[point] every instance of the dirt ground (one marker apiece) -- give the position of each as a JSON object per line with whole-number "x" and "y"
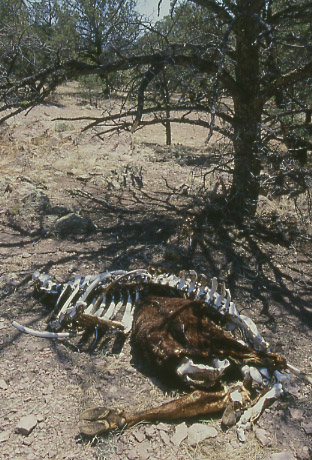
{"x": 49, "y": 168}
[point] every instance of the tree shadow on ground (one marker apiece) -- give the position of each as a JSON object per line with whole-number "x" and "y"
{"x": 259, "y": 262}
{"x": 262, "y": 261}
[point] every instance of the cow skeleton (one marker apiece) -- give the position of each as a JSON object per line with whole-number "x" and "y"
{"x": 109, "y": 300}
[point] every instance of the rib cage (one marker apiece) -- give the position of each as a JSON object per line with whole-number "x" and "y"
{"x": 109, "y": 299}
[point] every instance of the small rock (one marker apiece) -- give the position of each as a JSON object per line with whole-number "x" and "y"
{"x": 73, "y": 224}
{"x": 83, "y": 177}
{"x": 229, "y": 417}
{"x": 198, "y": 432}
{"x": 139, "y": 436}
{"x": 164, "y": 437}
{"x": 132, "y": 454}
{"x": 294, "y": 390}
{"x": 305, "y": 453}
{"x": 163, "y": 426}
{"x": 149, "y": 431}
{"x": 296, "y": 414}
{"x": 307, "y": 427}
{"x": 142, "y": 450}
{"x": 26, "y": 425}
{"x": 27, "y": 442}
{"x": 4, "y": 436}
{"x": 263, "y": 437}
{"x": 180, "y": 434}
{"x": 54, "y": 141}
{"x": 3, "y": 384}
{"x": 282, "y": 456}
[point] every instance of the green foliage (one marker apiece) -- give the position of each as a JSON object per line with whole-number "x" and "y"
{"x": 103, "y": 26}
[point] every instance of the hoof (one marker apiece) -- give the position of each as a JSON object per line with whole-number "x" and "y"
{"x": 94, "y": 413}
{"x": 100, "y": 420}
{"x": 94, "y": 428}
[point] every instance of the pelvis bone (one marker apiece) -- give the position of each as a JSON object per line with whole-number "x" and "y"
{"x": 183, "y": 328}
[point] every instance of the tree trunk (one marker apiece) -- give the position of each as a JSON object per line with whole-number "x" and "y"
{"x": 248, "y": 109}
{"x": 166, "y": 98}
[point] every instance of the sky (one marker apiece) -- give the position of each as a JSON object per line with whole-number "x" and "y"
{"x": 150, "y": 8}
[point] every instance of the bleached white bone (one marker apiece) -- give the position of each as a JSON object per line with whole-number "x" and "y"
{"x": 302, "y": 375}
{"x": 90, "y": 288}
{"x": 228, "y": 300}
{"x": 203, "y": 281}
{"x": 251, "y": 372}
{"x": 162, "y": 279}
{"x": 62, "y": 311}
{"x": 182, "y": 283}
{"x": 118, "y": 306}
{"x": 264, "y": 371}
{"x": 44, "y": 278}
{"x": 209, "y": 374}
{"x": 236, "y": 395}
{"x": 85, "y": 281}
{"x": 251, "y": 414}
{"x": 256, "y": 375}
{"x": 250, "y": 330}
{"x": 128, "y": 315}
{"x": 109, "y": 312}
{"x": 193, "y": 279}
{"x": 44, "y": 334}
{"x": 91, "y": 308}
{"x": 218, "y": 302}
{"x": 283, "y": 379}
{"x": 212, "y": 291}
{"x": 63, "y": 293}
{"x": 232, "y": 311}
{"x": 172, "y": 280}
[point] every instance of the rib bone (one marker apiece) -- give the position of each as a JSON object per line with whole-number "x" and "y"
{"x": 44, "y": 334}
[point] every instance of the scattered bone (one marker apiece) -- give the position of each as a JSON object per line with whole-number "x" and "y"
{"x": 255, "y": 375}
{"x": 251, "y": 414}
{"x": 43, "y": 334}
{"x": 302, "y": 375}
{"x": 283, "y": 379}
{"x": 190, "y": 372}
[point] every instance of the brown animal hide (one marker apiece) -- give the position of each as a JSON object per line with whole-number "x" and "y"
{"x": 167, "y": 330}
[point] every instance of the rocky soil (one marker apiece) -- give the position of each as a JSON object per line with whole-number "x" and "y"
{"x": 53, "y": 181}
